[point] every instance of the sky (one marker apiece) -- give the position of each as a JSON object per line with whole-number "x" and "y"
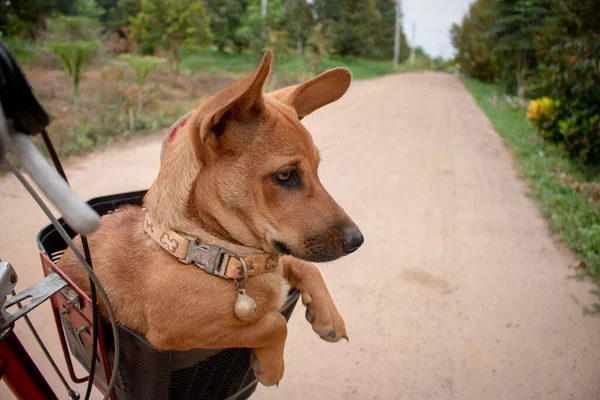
{"x": 433, "y": 20}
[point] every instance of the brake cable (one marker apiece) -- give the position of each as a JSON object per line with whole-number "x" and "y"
{"x": 88, "y": 258}
{"x": 65, "y": 236}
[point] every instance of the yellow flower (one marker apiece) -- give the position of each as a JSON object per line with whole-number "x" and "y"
{"x": 533, "y": 110}
{"x": 543, "y": 107}
{"x": 546, "y": 106}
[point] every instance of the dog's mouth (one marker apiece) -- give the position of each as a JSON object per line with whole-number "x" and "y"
{"x": 281, "y": 248}
{"x": 322, "y": 246}
{"x": 317, "y": 252}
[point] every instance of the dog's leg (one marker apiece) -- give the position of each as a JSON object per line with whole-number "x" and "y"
{"x": 320, "y": 308}
{"x": 267, "y": 353}
{"x": 266, "y": 336}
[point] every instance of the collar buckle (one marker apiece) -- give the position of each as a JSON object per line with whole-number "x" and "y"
{"x": 212, "y": 259}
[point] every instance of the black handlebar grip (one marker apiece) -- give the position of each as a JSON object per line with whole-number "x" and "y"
{"x": 17, "y": 98}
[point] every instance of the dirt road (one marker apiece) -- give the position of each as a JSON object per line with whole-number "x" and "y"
{"x": 459, "y": 292}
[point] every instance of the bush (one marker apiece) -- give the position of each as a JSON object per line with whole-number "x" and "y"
{"x": 70, "y": 27}
{"x": 25, "y": 51}
{"x": 142, "y": 66}
{"x": 568, "y": 48}
{"x": 74, "y": 55}
{"x": 170, "y": 25}
{"x": 579, "y": 129}
{"x": 251, "y": 33}
{"x": 543, "y": 113}
{"x": 572, "y": 123}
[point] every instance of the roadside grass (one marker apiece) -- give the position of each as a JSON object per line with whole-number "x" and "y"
{"x": 292, "y": 67}
{"x": 23, "y": 50}
{"x": 568, "y": 192}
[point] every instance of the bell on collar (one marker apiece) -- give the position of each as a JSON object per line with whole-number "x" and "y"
{"x": 244, "y": 307}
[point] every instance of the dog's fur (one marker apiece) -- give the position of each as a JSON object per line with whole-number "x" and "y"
{"x": 217, "y": 182}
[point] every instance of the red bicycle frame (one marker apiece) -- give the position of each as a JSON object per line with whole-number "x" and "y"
{"x": 20, "y": 373}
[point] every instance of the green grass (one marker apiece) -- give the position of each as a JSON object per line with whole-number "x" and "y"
{"x": 212, "y": 62}
{"x": 574, "y": 216}
{"x": 367, "y": 69}
{"x": 24, "y": 50}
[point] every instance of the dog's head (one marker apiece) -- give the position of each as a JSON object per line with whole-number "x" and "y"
{"x": 257, "y": 183}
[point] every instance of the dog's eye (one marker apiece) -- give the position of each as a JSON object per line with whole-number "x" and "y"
{"x": 284, "y": 176}
{"x": 288, "y": 179}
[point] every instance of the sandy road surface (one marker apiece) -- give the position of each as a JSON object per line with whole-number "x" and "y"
{"x": 459, "y": 291}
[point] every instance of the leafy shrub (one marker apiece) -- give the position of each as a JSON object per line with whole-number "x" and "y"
{"x": 568, "y": 48}
{"x": 64, "y": 28}
{"x": 320, "y": 43}
{"x": 73, "y": 55}
{"x": 25, "y": 51}
{"x": 226, "y": 16}
{"x": 572, "y": 123}
{"x": 171, "y": 25}
{"x": 251, "y": 32}
{"x": 142, "y": 66}
{"x": 579, "y": 127}
{"x": 543, "y": 113}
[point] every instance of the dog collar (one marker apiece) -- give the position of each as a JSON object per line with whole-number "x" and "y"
{"x": 212, "y": 259}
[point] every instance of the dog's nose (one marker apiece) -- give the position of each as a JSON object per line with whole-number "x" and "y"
{"x": 353, "y": 239}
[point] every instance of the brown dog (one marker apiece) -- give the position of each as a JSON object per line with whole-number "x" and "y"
{"x": 241, "y": 175}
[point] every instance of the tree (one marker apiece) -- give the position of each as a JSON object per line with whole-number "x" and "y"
{"x": 474, "y": 46}
{"x": 328, "y": 12}
{"x": 515, "y": 23}
{"x": 171, "y": 25}
{"x": 226, "y": 17}
{"x": 118, "y": 15}
{"x": 354, "y": 33}
{"x": 384, "y": 34}
{"x": 423, "y": 58}
{"x": 363, "y": 28}
{"x": 550, "y": 47}
{"x": 107, "y": 5}
{"x": 437, "y": 63}
{"x": 568, "y": 52}
{"x": 299, "y": 26}
{"x": 275, "y": 36}
{"x": 320, "y": 43}
{"x": 568, "y": 48}
{"x": 26, "y": 18}
{"x": 88, "y": 8}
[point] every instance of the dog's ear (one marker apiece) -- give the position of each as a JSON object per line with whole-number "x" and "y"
{"x": 316, "y": 92}
{"x": 242, "y": 98}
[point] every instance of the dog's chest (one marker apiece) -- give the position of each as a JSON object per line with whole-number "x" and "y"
{"x": 285, "y": 288}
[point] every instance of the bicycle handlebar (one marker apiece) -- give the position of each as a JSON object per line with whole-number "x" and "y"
{"x": 78, "y": 214}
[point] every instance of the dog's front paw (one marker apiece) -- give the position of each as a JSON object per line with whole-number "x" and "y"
{"x": 324, "y": 317}
{"x": 267, "y": 376}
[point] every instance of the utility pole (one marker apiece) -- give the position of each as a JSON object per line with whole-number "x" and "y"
{"x": 263, "y": 15}
{"x": 397, "y": 34}
{"x": 414, "y": 43}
